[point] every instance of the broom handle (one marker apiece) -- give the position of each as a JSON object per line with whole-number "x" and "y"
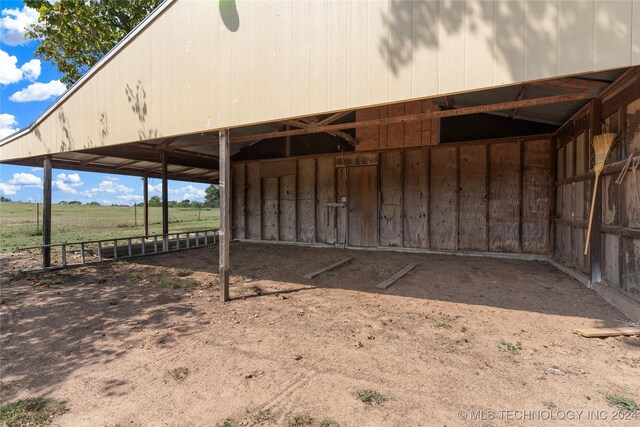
{"x": 593, "y": 205}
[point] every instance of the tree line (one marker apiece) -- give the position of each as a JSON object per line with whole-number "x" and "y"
{"x": 211, "y": 200}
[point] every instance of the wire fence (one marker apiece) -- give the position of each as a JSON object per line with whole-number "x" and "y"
{"x": 21, "y": 223}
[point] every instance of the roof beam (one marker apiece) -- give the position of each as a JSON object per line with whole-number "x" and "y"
{"x": 310, "y": 122}
{"x": 334, "y": 117}
{"x": 61, "y": 163}
{"x": 126, "y": 164}
{"x": 177, "y": 146}
{"x": 500, "y": 106}
{"x": 91, "y": 160}
{"x": 572, "y": 83}
{"x": 150, "y": 154}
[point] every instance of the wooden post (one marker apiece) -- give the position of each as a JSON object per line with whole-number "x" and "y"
{"x": 225, "y": 217}
{"x": 165, "y": 203}
{"x": 596, "y": 233}
{"x": 287, "y": 144}
{"x": 145, "y": 196}
{"x": 46, "y": 213}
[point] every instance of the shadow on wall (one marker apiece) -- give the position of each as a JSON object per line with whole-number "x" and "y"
{"x": 67, "y": 143}
{"x": 229, "y": 14}
{"x": 138, "y": 100}
{"x": 413, "y": 26}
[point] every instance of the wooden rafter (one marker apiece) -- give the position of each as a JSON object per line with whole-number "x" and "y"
{"x": 520, "y": 97}
{"x": 127, "y": 164}
{"x": 177, "y": 146}
{"x": 334, "y": 117}
{"x": 154, "y": 172}
{"x": 572, "y": 83}
{"x": 312, "y": 122}
{"x": 91, "y": 160}
{"x": 450, "y": 102}
{"x": 500, "y": 106}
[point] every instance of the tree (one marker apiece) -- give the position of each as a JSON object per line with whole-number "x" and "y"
{"x": 212, "y": 196}
{"x": 75, "y": 34}
{"x": 155, "y": 201}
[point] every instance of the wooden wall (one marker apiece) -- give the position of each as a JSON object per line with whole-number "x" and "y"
{"x": 480, "y": 196}
{"x": 616, "y": 256}
{"x": 398, "y": 135}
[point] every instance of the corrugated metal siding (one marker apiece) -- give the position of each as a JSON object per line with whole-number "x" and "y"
{"x": 186, "y": 72}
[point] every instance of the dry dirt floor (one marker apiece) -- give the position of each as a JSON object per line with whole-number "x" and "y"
{"x": 147, "y": 342}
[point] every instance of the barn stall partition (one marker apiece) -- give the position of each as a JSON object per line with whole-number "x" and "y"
{"x": 613, "y": 263}
{"x": 480, "y": 196}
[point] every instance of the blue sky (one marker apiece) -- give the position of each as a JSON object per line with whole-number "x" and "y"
{"x": 28, "y": 85}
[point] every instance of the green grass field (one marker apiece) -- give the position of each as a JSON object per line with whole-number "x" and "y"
{"x": 73, "y": 223}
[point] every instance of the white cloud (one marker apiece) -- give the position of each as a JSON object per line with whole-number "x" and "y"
{"x": 67, "y": 183}
{"x": 39, "y": 91}
{"x": 7, "y": 124}
{"x": 9, "y": 71}
{"x": 14, "y": 23}
{"x": 155, "y": 188}
{"x": 26, "y": 180}
{"x": 18, "y": 181}
{"x": 130, "y": 198}
{"x": 188, "y": 192}
{"x": 8, "y": 189}
{"x": 107, "y": 186}
{"x": 31, "y": 70}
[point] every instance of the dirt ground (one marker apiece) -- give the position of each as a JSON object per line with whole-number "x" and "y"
{"x": 148, "y": 342}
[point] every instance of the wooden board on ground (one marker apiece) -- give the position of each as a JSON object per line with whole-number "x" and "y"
{"x": 608, "y": 332}
{"x": 327, "y": 268}
{"x": 397, "y": 276}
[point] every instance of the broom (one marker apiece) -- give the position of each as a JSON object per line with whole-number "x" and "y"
{"x": 601, "y": 146}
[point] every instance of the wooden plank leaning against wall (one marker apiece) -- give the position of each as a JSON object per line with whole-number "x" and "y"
{"x": 477, "y": 196}
{"x": 617, "y": 246}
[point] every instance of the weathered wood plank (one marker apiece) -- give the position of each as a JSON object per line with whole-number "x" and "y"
{"x": 238, "y": 197}
{"x": 287, "y": 208}
{"x": 254, "y": 201}
{"x": 626, "y": 331}
{"x": 413, "y": 130}
{"x": 278, "y": 168}
{"x": 610, "y": 208}
{"x": 342, "y": 216}
{"x": 327, "y": 268}
{"x": 611, "y": 259}
{"x": 416, "y": 198}
{"x": 397, "y": 276}
{"x": 306, "y": 200}
{"x": 326, "y": 193}
{"x": 473, "y": 199}
{"x": 368, "y": 137}
{"x": 443, "y": 199}
{"x": 391, "y": 199}
{"x": 504, "y": 206}
{"x": 536, "y": 196}
{"x": 270, "y": 209}
{"x": 395, "y": 132}
{"x": 362, "y": 206}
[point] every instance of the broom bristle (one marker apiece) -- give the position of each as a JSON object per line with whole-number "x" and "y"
{"x": 602, "y": 143}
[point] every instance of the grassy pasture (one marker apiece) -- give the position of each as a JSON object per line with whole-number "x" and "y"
{"x": 72, "y": 223}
